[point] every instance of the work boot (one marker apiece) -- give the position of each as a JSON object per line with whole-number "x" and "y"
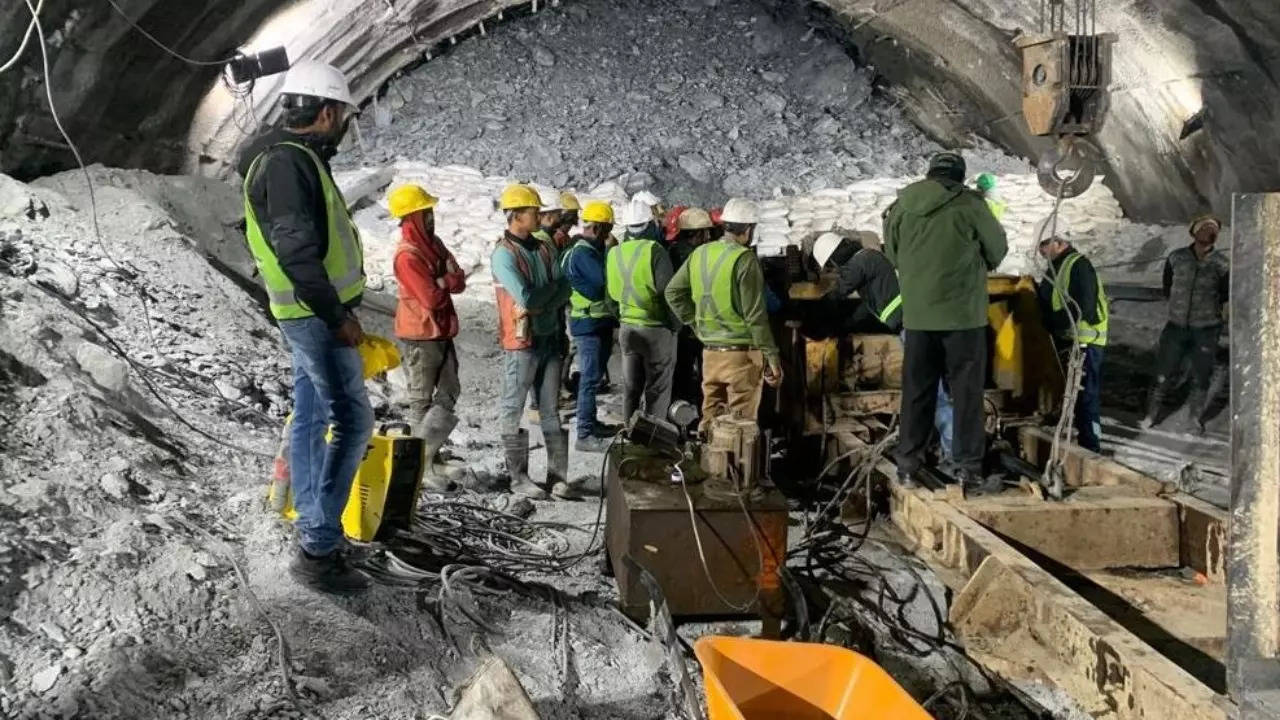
{"x": 558, "y": 466}
{"x": 606, "y": 430}
{"x": 593, "y": 443}
{"x": 327, "y": 573}
{"x": 436, "y": 426}
{"x": 517, "y": 448}
{"x": 908, "y": 480}
{"x": 1195, "y": 411}
{"x": 975, "y": 484}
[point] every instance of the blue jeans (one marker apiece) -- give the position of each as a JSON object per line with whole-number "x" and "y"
{"x": 1088, "y": 419}
{"x": 594, "y": 350}
{"x": 328, "y": 392}
{"x": 538, "y": 369}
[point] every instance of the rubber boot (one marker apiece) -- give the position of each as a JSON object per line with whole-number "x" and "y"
{"x": 1155, "y": 401}
{"x": 517, "y": 448}
{"x": 436, "y": 426}
{"x": 558, "y": 466}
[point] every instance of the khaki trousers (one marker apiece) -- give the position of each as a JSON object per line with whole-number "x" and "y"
{"x": 732, "y": 382}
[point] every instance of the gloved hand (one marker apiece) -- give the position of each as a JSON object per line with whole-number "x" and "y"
{"x": 349, "y": 333}
{"x": 773, "y": 371}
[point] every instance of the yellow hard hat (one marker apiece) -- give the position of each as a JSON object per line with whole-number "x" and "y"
{"x": 694, "y": 219}
{"x": 378, "y": 355}
{"x": 598, "y": 212}
{"x": 569, "y": 201}
{"x": 408, "y": 199}
{"x": 519, "y": 196}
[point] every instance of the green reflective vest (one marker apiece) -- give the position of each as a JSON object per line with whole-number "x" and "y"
{"x": 343, "y": 262}
{"x": 711, "y": 279}
{"x": 630, "y": 280}
{"x": 1086, "y": 333}
{"x": 580, "y": 306}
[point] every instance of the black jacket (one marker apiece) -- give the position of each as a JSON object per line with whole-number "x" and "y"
{"x": 1197, "y": 289}
{"x": 1083, "y": 289}
{"x": 870, "y": 274}
{"x": 288, "y": 201}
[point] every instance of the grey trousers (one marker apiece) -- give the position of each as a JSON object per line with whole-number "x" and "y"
{"x": 523, "y": 370}
{"x": 648, "y": 363}
{"x": 431, "y": 372}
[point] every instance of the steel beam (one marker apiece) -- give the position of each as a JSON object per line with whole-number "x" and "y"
{"x": 1253, "y": 554}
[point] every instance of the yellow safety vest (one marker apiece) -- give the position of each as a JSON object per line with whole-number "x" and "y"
{"x": 716, "y": 321}
{"x": 343, "y": 262}
{"x": 1086, "y": 333}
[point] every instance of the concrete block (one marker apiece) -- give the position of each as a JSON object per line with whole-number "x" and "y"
{"x": 1093, "y": 529}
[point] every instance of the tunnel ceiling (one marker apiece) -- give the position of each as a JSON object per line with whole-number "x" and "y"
{"x": 128, "y": 104}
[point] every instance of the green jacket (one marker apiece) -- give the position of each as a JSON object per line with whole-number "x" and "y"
{"x": 943, "y": 239}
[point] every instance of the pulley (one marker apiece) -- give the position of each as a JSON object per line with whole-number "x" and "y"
{"x": 1068, "y": 168}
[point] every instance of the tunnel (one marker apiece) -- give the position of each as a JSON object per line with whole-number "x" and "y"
{"x": 1189, "y": 120}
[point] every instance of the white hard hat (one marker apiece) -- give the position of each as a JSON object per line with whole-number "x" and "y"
{"x": 740, "y": 211}
{"x": 825, "y": 247}
{"x": 317, "y": 79}
{"x": 1045, "y": 227}
{"x": 646, "y": 197}
{"x": 636, "y": 213}
{"x": 550, "y": 198}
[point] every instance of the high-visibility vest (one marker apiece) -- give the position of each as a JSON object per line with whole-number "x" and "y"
{"x": 343, "y": 262}
{"x": 711, "y": 278}
{"x": 580, "y": 306}
{"x": 514, "y": 331}
{"x": 630, "y": 281}
{"x": 1086, "y": 333}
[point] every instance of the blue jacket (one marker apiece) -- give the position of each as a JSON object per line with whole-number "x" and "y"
{"x": 586, "y": 274}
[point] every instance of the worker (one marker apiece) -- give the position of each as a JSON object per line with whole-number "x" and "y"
{"x": 719, "y": 291}
{"x": 549, "y": 231}
{"x": 693, "y": 229}
{"x": 309, "y": 255}
{"x": 1196, "y": 284}
{"x": 570, "y": 209}
{"x": 592, "y": 319}
{"x": 639, "y": 269}
{"x": 862, "y": 267}
{"x": 943, "y": 240}
{"x": 531, "y": 292}
{"x": 426, "y": 323}
{"x": 1074, "y": 305}
{"x": 654, "y": 203}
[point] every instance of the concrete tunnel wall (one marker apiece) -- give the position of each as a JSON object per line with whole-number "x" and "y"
{"x": 951, "y": 62}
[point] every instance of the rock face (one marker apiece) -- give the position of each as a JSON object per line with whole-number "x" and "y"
{"x": 127, "y": 103}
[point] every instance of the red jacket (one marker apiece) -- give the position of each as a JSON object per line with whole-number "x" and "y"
{"x": 425, "y": 310}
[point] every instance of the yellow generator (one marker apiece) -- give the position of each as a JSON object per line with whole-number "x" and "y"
{"x": 384, "y": 492}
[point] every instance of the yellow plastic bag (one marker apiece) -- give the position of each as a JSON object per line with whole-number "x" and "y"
{"x": 379, "y": 355}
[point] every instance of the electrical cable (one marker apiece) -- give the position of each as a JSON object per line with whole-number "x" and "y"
{"x": 162, "y": 46}
{"x": 26, "y": 38}
{"x": 702, "y": 555}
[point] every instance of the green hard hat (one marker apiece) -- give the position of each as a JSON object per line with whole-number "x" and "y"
{"x": 986, "y": 181}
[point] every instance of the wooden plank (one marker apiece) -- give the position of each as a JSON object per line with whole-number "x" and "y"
{"x": 1094, "y": 528}
{"x": 1203, "y": 537}
{"x": 1024, "y": 622}
{"x": 1083, "y": 467}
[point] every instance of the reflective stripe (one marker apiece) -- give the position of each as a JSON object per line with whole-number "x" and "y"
{"x": 716, "y": 322}
{"x": 631, "y": 283}
{"x": 344, "y": 258}
{"x": 1085, "y": 333}
{"x": 888, "y": 310}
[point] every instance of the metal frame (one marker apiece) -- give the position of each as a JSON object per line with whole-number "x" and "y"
{"x": 1253, "y": 557}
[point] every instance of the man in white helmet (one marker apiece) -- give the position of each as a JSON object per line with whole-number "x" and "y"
{"x": 720, "y": 292}
{"x": 309, "y": 255}
{"x": 637, "y": 273}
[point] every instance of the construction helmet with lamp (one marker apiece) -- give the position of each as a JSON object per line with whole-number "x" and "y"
{"x": 824, "y": 247}
{"x": 569, "y": 201}
{"x": 311, "y": 78}
{"x": 408, "y": 199}
{"x": 694, "y": 219}
{"x": 517, "y": 196}
{"x": 740, "y": 211}
{"x": 637, "y": 213}
{"x": 597, "y": 212}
